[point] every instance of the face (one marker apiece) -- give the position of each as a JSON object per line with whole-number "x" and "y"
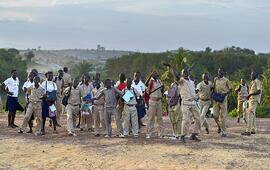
{"x": 31, "y": 76}
{"x": 86, "y": 79}
{"x": 36, "y": 80}
{"x": 129, "y": 82}
{"x": 137, "y": 76}
{"x": 14, "y": 74}
{"x": 108, "y": 83}
{"x": 185, "y": 73}
{"x": 155, "y": 75}
{"x": 220, "y": 72}
{"x": 206, "y": 77}
{"x": 50, "y": 76}
{"x": 75, "y": 83}
{"x": 60, "y": 74}
{"x": 243, "y": 81}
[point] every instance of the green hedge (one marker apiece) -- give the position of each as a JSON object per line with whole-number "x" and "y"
{"x": 261, "y": 112}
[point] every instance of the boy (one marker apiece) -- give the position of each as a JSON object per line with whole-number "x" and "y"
{"x": 86, "y": 112}
{"x": 242, "y": 92}
{"x": 73, "y": 106}
{"x": 110, "y": 94}
{"x": 98, "y": 109}
{"x": 35, "y": 94}
{"x": 59, "y": 81}
{"x": 131, "y": 110}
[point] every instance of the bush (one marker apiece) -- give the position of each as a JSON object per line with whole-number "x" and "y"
{"x": 233, "y": 113}
{"x": 263, "y": 112}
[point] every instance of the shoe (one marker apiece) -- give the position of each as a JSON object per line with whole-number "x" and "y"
{"x": 194, "y": 137}
{"x": 246, "y": 133}
{"x": 253, "y": 132}
{"x": 223, "y": 135}
{"x": 91, "y": 129}
{"x": 74, "y": 134}
{"x": 173, "y": 138}
{"x": 20, "y": 131}
{"x": 136, "y": 136}
{"x": 81, "y": 129}
{"x": 15, "y": 126}
{"x": 182, "y": 139}
{"x": 107, "y": 136}
{"x": 78, "y": 126}
{"x": 219, "y": 130}
{"x": 148, "y": 136}
{"x": 97, "y": 135}
{"x": 121, "y": 135}
{"x": 10, "y": 126}
{"x": 38, "y": 134}
{"x": 238, "y": 120}
{"x": 30, "y": 131}
{"x": 207, "y": 130}
{"x": 42, "y": 133}
{"x": 162, "y": 136}
{"x": 70, "y": 134}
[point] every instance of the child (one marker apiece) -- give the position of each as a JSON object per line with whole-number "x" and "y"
{"x": 110, "y": 94}
{"x": 86, "y": 112}
{"x": 73, "y": 107}
{"x": 35, "y": 94}
{"x": 131, "y": 110}
{"x": 48, "y": 102}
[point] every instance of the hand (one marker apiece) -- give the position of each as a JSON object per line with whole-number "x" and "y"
{"x": 10, "y": 93}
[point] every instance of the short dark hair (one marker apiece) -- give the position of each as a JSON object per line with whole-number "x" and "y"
{"x": 65, "y": 69}
{"x": 12, "y": 71}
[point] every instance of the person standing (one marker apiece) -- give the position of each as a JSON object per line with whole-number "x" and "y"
{"x": 74, "y": 100}
{"x": 11, "y": 87}
{"x": 254, "y": 98}
{"x": 35, "y": 94}
{"x": 130, "y": 110}
{"x": 98, "y": 109}
{"x": 242, "y": 92}
{"x": 59, "y": 81}
{"x": 155, "y": 91}
{"x": 25, "y": 88}
{"x": 222, "y": 87}
{"x": 204, "y": 92}
{"x": 140, "y": 87}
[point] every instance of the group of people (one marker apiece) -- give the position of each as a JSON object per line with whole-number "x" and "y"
{"x": 91, "y": 104}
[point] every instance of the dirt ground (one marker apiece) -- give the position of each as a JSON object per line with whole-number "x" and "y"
{"x": 59, "y": 151}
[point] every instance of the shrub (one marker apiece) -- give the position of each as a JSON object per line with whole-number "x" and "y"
{"x": 263, "y": 112}
{"x": 233, "y": 113}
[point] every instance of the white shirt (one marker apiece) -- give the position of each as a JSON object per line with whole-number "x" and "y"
{"x": 51, "y": 86}
{"x": 27, "y": 84}
{"x": 13, "y": 86}
{"x": 187, "y": 89}
{"x": 140, "y": 87}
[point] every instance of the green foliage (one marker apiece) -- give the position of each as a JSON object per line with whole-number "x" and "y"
{"x": 233, "y": 113}
{"x": 263, "y": 111}
{"x": 82, "y": 68}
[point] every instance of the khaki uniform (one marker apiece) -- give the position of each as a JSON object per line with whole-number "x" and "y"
{"x": 99, "y": 111}
{"x": 221, "y": 85}
{"x": 242, "y": 97}
{"x": 34, "y": 107}
{"x": 73, "y": 107}
{"x": 204, "y": 94}
{"x": 87, "y": 120}
{"x": 67, "y": 82}
{"x": 131, "y": 114}
{"x": 155, "y": 109}
{"x": 189, "y": 107}
{"x": 60, "y": 84}
{"x": 175, "y": 115}
{"x": 255, "y": 85}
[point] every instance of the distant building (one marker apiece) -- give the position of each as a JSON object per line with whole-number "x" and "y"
{"x": 100, "y": 48}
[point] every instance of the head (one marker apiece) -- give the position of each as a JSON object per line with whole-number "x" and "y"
{"x": 97, "y": 84}
{"x": 205, "y": 77}
{"x": 31, "y": 76}
{"x": 87, "y": 79}
{"x": 65, "y": 69}
{"x": 14, "y": 74}
{"x": 242, "y": 81}
{"x": 36, "y": 80}
{"x": 129, "y": 82}
{"x": 60, "y": 74}
{"x": 108, "y": 83}
{"x": 137, "y": 76}
{"x": 34, "y": 71}
{"x": 49, "y": 75}
{"x": 75, "y": 82}
{"x": 220, "y": 72}
{"x": 253, "y": 75}
{"x": 122, "y": 77}
{"x": 155, "y": 74}
{"x": 185, "y": 73}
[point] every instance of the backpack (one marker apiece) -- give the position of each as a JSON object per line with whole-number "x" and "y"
{"x": 51, "y": 96}
{"x": 173, "y": 96}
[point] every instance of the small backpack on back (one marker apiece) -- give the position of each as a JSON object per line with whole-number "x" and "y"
{"x": 173, "y": 95}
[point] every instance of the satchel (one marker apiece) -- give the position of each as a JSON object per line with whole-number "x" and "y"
{"x": 218, "y": 97}
{"x": 51, "y": 96}
{"x": 65, "y": 98}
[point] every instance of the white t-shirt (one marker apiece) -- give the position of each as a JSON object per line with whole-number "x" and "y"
{"x": 13, "y": 86}
{"x": 51, "y": 86}
{"x": 140, "y": 87}
{"x": 27, "y": 84}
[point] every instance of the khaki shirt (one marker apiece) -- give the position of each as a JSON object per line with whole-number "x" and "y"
{"x": 255, "y": 85}
{"x": 34, "y": 94}
{"x": 204, "y": 90}
{"x": 67, "y": 80}
{"x": 243, "y": 93}
{"x": 157, "y": 94}
{"x": 96, "y": 92}
{"x": 74, "y": 96}
{"x": 187, "y": 90}
{"x": 59, "y": 83}
{"x": 110, "y": 96}
{"x": 222, "y": 85}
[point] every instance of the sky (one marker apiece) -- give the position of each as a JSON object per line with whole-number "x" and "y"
{"x": 138, "y": 25}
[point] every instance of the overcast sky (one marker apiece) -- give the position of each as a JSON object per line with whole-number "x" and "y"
{"x": 143, "y": 25}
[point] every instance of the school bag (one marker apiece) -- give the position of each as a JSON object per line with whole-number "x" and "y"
{"x": 65, "y": 98}
{"x": 217, "y": 96}
{"x": 51, "y": 96}
{"x": 173, "y": 96}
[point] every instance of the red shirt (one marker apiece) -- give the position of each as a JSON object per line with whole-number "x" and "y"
{"x": 121, "y": 86}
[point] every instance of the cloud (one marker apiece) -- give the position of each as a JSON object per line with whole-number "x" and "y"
{"x": 9, "y": 16}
